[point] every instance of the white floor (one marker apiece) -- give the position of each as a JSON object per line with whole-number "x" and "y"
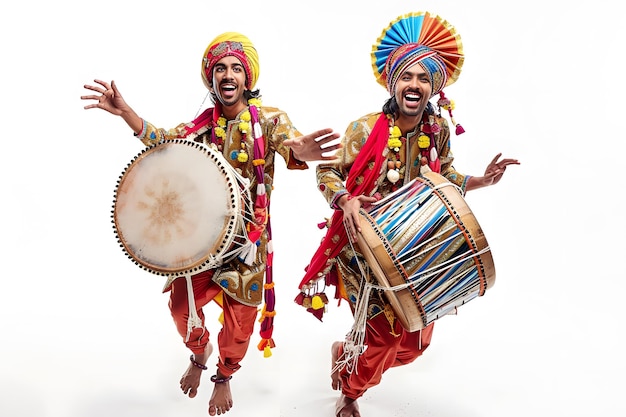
{"x": 86, "y": 333}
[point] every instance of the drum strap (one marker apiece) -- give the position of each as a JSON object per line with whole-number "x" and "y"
{"x": 354, "y": 344}
{"x": 194, "y": 320}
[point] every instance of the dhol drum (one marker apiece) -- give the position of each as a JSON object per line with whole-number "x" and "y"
{"x": 180, "y": 208}
{"x": 426, "y": 249}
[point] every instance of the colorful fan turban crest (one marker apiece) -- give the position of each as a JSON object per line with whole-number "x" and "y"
{"x": 424, "y": 29}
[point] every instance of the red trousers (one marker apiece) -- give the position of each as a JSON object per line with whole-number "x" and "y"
{"x": 384, "y": 351}
{"x": 234, "y": 337}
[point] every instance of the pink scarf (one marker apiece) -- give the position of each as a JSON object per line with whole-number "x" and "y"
{"x": 261, "y": 212}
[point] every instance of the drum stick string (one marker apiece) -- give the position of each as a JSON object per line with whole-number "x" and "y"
{"x": 202, "y": 104}
{"x": 194, "y": 320}
{"x": 354, "y": 344}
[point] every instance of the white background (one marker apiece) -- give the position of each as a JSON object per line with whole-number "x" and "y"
{"x": 86, "y": 333}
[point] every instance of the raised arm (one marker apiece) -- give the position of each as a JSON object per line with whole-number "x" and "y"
{"x": 110, "y": 99}
{"x": 493, "y": 173}
{"x": 316, "y": 146}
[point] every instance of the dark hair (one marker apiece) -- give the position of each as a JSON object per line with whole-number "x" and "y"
{"x": 391, "y": 106}
{"x": 248, "y": 94}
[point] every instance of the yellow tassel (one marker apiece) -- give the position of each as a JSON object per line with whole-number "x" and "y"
{"x": 221, "y": 318}
{"x": 317, "y": 303}
{"x": 266, "y": 346}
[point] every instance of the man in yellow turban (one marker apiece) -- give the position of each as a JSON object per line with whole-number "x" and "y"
{"x": 249, "y": 136}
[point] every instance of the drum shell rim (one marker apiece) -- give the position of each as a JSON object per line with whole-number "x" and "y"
{"x": 226, "y": 238}
{"x": 372, "y": 242}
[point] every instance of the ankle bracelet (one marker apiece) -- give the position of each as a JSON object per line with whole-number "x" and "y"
{"x": 217, "y": 380}
{"x": 197, "y": 364}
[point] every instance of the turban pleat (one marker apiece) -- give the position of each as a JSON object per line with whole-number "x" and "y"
{"x": 231, "y": 44}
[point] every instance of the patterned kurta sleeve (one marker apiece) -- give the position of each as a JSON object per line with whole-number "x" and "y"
{"x": 331, "y": 177}
{"x": 151, "y": 135}
{"x": 277, "y": 127}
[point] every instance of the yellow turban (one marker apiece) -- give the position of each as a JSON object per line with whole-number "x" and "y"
{"x": 231, "y": 44}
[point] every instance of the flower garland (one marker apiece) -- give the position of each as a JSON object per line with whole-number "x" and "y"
{"x": 394, "y": 143}
{"x": 427, "y": 144}
{"x": 425, "y": 141}
{"x": 244, "y": 127}
{"x": 249, "y": 124}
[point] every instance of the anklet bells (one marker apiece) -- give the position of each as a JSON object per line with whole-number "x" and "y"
{"x": 217, "y": 380}
{"x": 197, "y": 364}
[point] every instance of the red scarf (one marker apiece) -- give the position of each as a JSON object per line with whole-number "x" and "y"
{"x": 371, "y": 153}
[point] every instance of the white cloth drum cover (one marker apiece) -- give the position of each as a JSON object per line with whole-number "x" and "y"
{"x": 180, "y": 208}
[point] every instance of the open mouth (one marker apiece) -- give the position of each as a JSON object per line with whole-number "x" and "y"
{"x": 412, "y": 97}
{"x": 228, "y": 90}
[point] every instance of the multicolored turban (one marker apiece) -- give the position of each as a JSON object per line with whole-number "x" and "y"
{"x": 418, "y": 38}
{"x": 231, "y": 44}
{"x": 406, "y": 56}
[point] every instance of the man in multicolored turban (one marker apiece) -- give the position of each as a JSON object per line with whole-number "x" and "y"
{"x": 414, "y": 59}
{"x": 249, "y": 136}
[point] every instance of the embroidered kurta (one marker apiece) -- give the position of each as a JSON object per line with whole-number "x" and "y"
{"x": 239, "y": 280}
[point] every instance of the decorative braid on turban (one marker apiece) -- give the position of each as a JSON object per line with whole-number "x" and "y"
{"x": 231, "y": 44}
{"x": 410, "y": 54}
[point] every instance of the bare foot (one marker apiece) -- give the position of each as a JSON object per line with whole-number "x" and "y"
{"x": 190, "y": 380}
{"x": 346, "y": 407}
{"x": 221, "y": 400}
{"x": 334, "y": 376}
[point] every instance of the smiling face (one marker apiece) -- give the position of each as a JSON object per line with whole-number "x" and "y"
{"x": 229, "y": 83}
{"x": 412, "y": 92}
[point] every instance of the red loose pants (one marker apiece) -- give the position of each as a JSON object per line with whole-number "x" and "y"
{"x": 384, "y": 351}
{"x": 234, "y": 337}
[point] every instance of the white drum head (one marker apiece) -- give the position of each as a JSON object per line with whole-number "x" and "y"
{"x": 177, "y": 208}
